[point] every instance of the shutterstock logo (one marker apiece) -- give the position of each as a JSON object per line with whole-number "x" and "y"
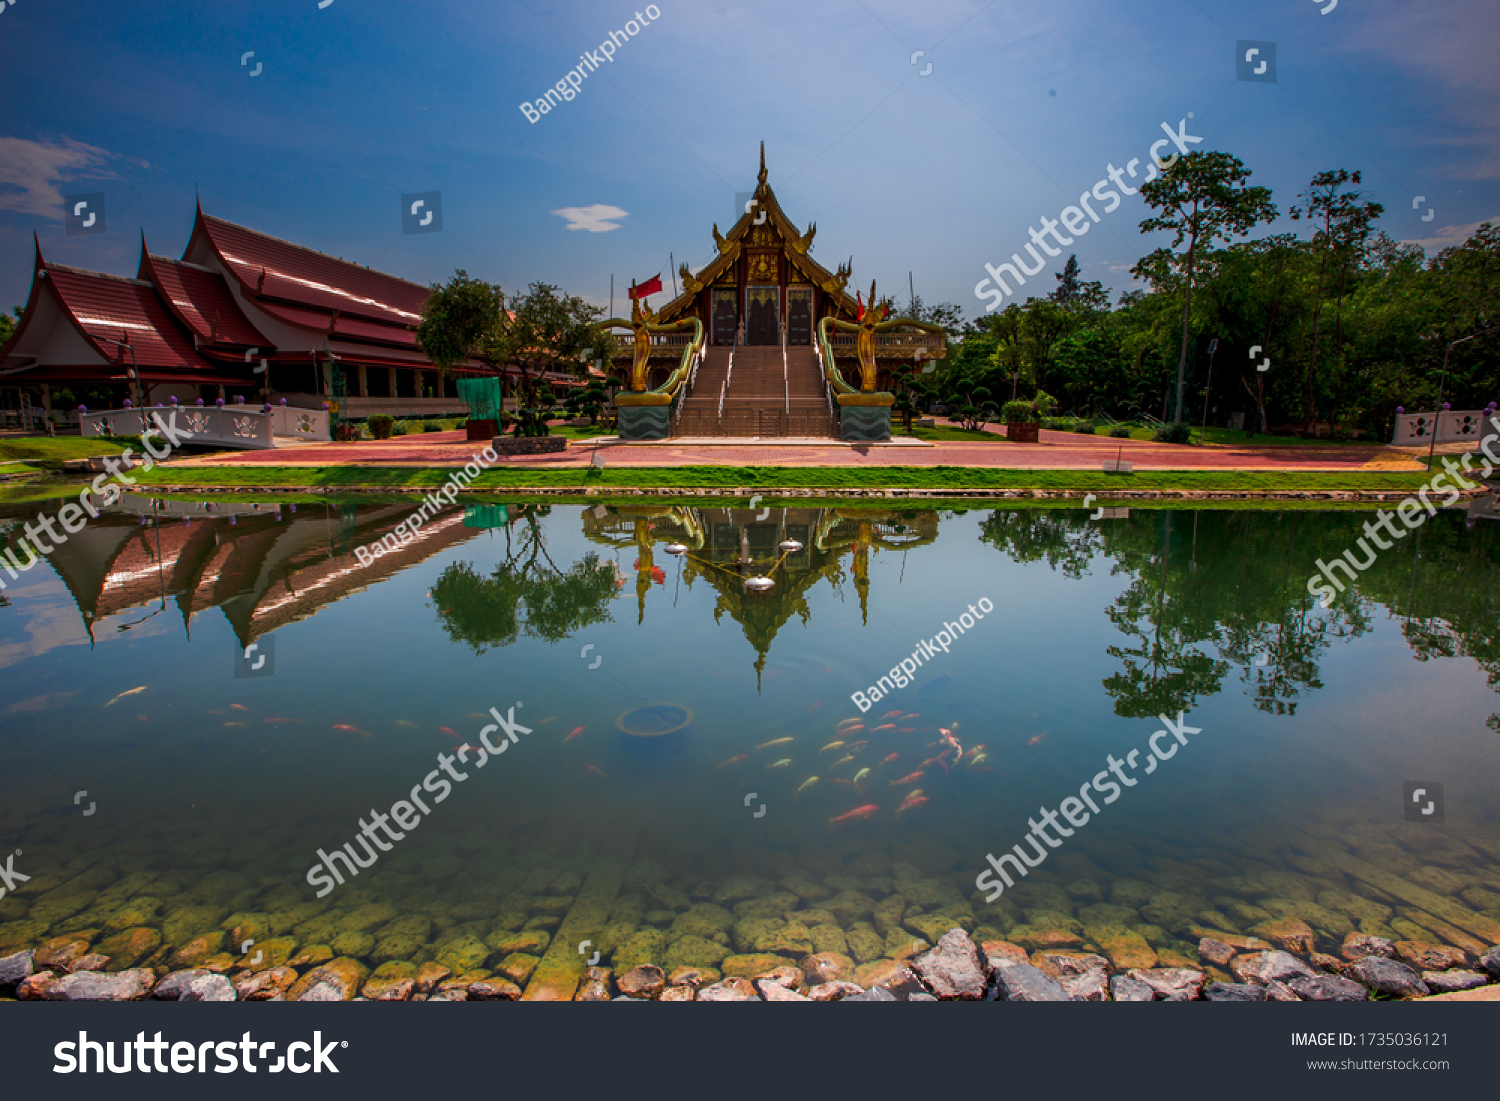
{"x": 1255, "y": 61}
{"x": 422, "y": 212}
{"x": 83, "y": 213}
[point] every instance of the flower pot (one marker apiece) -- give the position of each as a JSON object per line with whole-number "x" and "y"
{"x": 1023, "y": 433}
{"x": 481, "y": 430}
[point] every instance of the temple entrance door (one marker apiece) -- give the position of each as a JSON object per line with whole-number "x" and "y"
{"x": 762, "y": 315}
{"x": 726, "y": 315}
{"x": 799, "y": 315}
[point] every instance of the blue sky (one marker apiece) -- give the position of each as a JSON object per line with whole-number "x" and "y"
{"x": 1026, "y": 103}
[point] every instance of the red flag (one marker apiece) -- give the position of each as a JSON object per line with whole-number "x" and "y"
{"x": 860, "y": 316}
{"x": 887, "y": 312}
{"x": 650, "y": 286}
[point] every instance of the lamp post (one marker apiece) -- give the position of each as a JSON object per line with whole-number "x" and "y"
{"x": 1443, "y": 381}
{"x": 1213, "y": 346}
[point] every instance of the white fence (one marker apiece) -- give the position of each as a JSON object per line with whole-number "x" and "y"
{"x": 1453, "y": 426}
{"x": 240, "y": 426}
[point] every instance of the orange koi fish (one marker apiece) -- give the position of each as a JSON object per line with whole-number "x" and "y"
{"x": 233, "y": 706}
{"x": 891, "y": 714}
{"x": 1038, "y": 738}
{"x": 597, "y": 771}
{"x": 912, "y": 802}
{"x": 851, "y": 729}
{"x": 350, "y": 729}
{"x": 448, "y": 731}
{"x": 733, "y": 760}
{"x": 891, "y": 758}
{"x": 912, "y": 779}
{"x": 577, "y": 730}
{"x": 909, "y": 718}
{"x": 887, "y": 726}
{"x": 856, "y": 814}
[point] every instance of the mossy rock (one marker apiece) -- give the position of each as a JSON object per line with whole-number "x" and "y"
{"x": 739, "y": 887}
{"x": 1131, "y": 893}
{"x": 312, "y": 955}
{"x": 615, "y": 934}
{"x": 186, "y": 922}
{"x": 1108, "y": 913}
{"x": 1053, "y": 919}
{"x": 140, "y": 911}
{"x": 543, "y": 923}
{"x": 933, "y": 894}
{"x": 1155, "y": 935}
{"x": 199, "y": 948}
{"x": 750, "y": 931}
{"x": 22, "y": 932}
{"x": 517, "y": 967}
{"x": 900, "y": 944}
{"x": 791, "y": 939}
{"x": 629, "y": 909}
{"x": 750, "y": 965}
{"x": 660, "y": 918}
{"x": 128, "y": 947}
{"x": 319, "y": 930}
{"x": 367, "y": 917}
{"x": 849, "y": 907}
{"x": 828, "y": 938}
{"x": 643, "y": 946}
{"x": 805, "y": 888}
{"x": 1242, "y": 913}
{"x": 812, "y": 917}
{"x": 864, "y": 943}
{"x": 533, "y": 941}
{"x": 931, "y": 927}
{"x": 704, "y": 920}
{"x": 889, "y": 912}
{"x": 463, "y": 954}
{"x": 353, "y": 943}
{"x": 1173, "y": 910}
{"x": 692, "y": 951}
{"x": 669, "y": 898}
{"x": 552, "y": 906}
{"x": 272, "y": 952}
{"x": 1355, "y": 907}
{"x": 776, "y": 904}
{"x": 1330, "y": 923}
{"x": 1126, "y": 950}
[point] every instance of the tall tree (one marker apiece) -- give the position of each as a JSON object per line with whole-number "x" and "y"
{"x": 1343, "y": 227}
{"x": 1203, "y": 199}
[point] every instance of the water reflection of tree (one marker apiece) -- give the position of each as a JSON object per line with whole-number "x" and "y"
{"x": 526, "y": 594}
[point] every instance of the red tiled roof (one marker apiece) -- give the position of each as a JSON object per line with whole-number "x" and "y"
{"x": 109, "y": 309}
{"x": 202, "y": 301}
{"x": 309, "y": 278}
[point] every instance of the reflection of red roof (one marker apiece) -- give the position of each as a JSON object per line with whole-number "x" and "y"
{"x": 269, "y": 267}
{"x": 110, "y": 310}
{"x": 202, "y": 301}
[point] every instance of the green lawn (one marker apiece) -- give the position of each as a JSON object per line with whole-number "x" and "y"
{"x": 41, "y": 453}
{"x": 751, "y": 477}
{"x": 949, "y": 433}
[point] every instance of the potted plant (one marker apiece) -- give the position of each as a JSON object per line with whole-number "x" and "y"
{"x": 1022, "y": 421}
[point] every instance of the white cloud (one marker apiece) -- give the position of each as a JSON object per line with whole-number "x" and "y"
{"x": 596, "y": 219}
{"x": 1448, "y": 236}
{"x": 38, "y": 168}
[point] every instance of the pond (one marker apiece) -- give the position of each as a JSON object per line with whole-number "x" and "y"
{"x": 205, "y": 703}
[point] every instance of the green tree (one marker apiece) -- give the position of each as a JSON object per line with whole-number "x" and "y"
{"x": 1203, "y": 199}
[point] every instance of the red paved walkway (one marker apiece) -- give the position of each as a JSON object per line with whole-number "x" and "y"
{"x": 1055, "y": 451}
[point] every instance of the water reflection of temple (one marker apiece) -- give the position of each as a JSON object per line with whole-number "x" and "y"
{"x": 728, "y": 546}
{"x": 262, "y": 565}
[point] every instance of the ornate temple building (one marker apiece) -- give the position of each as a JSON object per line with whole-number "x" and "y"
{"x": 761, "y": 323}
{"x": 242, "y": 313}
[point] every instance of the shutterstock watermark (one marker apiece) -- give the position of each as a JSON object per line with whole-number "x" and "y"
{"x": 73, "y": 516}
{"x": 432, "y": 504}
{"x": 404, "y": 812}
{"x": 1072, "y": 808}
{"x": 1413, "y": 513}
{"x": 190, "y": 1057}
{"x": 901, "y": 675}
{"x": 1073, "y": 220}
{"x": 572, "y": 81}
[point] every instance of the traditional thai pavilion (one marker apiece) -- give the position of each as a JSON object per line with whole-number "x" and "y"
{"x": 243, "y": 314}
{"x": 764, "y": 340}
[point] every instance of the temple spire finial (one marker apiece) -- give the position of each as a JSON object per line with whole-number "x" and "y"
{"x": 762, "y": 176}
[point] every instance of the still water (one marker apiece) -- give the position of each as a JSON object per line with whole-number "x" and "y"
{"x": 198, "y": 701}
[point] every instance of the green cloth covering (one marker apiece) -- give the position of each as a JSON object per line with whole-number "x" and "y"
{"x": 482, "y": 396}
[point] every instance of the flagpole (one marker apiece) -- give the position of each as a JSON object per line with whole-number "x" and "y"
{"x": 672, "y": 267}
{"x": 611, "y": 295}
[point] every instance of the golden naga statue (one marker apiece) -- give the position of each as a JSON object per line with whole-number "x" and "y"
{"x": 800, "y": 245}
{"x": 643, "y": 322}
{"x": 872, "y": 322}
{"x": 689, "y": 284}
{"x": 724, "y": 245}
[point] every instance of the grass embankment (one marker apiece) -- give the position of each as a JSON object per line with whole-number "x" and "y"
{"x": 22, "y": 453}
{"x": 937, "y": 478}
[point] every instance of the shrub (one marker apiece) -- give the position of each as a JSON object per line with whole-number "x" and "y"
{"x": 1120, "y": 432}
{"x": 433, "y": 426}
{"x": 1019, "y": 412}
{"x": 1173, "y": 433}
{"x": 400, "y": 428}
{"x": 1085, "y": 428}
{"x": 380, "y": 425}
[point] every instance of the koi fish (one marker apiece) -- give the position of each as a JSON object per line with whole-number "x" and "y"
{"x": 891, "y": 714}
{"x": 448, "y": 731}
{"x": 1038, "y": 738}
{"x": 841, "y": 761}
{"x": 977, "y": 759}
{"x": 576, "y": 731}
{"x": 909, "y": 718}
{"x": 861, "y": 774}
{"x": 127, "y": 692}
{"x": 350, "y": 729}
{"x": 856, "y": 814}
{"x": 912, "y": 779}
{"x": 855, "y": 747}
{"x": 809, "y": 782}
{"x": 232, "y": 707}
{"x": 212, "y": 712}
{"x": 891, "y": 758}
{"x": 912, "y": 802}
{"x": 733, "y": 760}
{"x": 779, "y": 764}
{"x": 236, "y": 724}
{"x": 816, "y": 704}
{"x": 846, "y": 722}
{"x": 775, "y": 742}
{"x": 597, "y": 771}
{"x": 539, "y": 722}
{"x": 407, "y": 722}
{"x": 887, "y": 726}
{"x": 830, "y": 745}
{"x": 852, "y": 729}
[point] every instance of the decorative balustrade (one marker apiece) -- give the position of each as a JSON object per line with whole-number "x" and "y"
{"x": 243, "y": 426}
{"x": 896, "y": 345}
{"x": 661, "y": 343}
{"x": 1450, "y": 426}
